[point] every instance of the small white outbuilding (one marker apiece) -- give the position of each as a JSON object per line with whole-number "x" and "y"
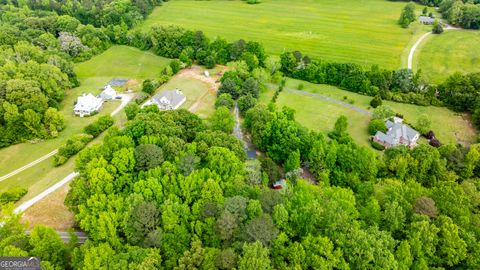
{"x": 108, "y": 93}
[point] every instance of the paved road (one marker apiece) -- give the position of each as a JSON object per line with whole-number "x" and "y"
{"x": 412, "y": 50}
{"x": 305, "y": 93}
{"x": 65, "y": 236}
{"x": 125, "y": 99}
{"x": 24, "y": 206}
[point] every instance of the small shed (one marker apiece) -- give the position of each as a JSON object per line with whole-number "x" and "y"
{"x": 206, "y": 73}
{"x": 108, "y": 93}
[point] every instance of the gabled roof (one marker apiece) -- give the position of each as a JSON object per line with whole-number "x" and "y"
{"x": 87, "y": 102}
{"x": 173, "y": 98}
{"x": 397, "y": 132}
{"x": 108, "y": 92}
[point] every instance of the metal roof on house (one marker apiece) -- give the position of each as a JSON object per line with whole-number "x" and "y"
{"x": 396, "y": 131}
{"x": 426, "y": 19}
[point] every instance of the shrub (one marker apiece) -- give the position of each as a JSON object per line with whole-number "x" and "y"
{"x": 301, "y": 86}
{"x": 140, "y": 98}
{"x": 435, "y": 142}
{"x": 423, "y": 124}
{"x": 71, "y": 147}
{"x": 376, "y": 101}
{"x": 376, "y": 125}
{"x": 430, "y": 135}
{"x": 148, "y": 87}
{"x": 270, "y": 168}
{"x": 99, "y": 126}
{"x": 437, "y": 29}
{"x": 351, "y": 101}
{"x": 175, "y": 65}
{"x": 12, "y": 195}
{"x": 377, "y": 145}
{"x": 225, "y": 100}
{"x": 245, "y": 103}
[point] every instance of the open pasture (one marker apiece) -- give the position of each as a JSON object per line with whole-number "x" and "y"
{"x": 365, "y": 32}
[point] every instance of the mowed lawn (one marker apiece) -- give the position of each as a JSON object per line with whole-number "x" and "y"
{"x": 453, "y": 51}
{"x": 364, "y": 32}
{"x": 123, "y": 62}
{"x": 321, "y": 115}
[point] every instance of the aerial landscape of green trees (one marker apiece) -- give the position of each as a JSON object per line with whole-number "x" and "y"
{"x": 169, "y": 190}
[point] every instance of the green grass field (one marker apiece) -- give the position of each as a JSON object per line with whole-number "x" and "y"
{"x": 124, "y": 62}
{"x": 321, "y": 115}
{"x": 453, "y": 51}
{"x": 365, "y": 32}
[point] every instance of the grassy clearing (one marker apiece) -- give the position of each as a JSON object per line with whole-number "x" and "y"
{"x": 320, "y": 114}
{"x": 453, "y": 51}
{"x": 123, "y": 61}
{"x": 191, "y": 88}
{"x": 365, "y": 32}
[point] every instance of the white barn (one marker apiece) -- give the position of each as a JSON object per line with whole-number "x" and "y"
{"x": 87, "y": 104}
{"x": 108, "y": 93}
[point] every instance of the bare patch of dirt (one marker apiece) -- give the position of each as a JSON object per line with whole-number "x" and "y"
{"x": 50, "y": 211}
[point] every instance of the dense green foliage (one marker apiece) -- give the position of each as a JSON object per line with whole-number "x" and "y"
{"x": 408, "y": 15}
{"x": 12, "y": 195}
{"x": 464, "y": 13}
{"x": 79, "y": 141}
{"x": 99, "y": 125}
{"x": 401, "y": 85}
{"x": 462, "y": 93}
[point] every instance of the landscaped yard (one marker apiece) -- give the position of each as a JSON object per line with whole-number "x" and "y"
{"x": 321, "y": 115}
{"x": 453, "y": 51}
{"x": 200, "y": 95}
{"x": 364, "y": 32}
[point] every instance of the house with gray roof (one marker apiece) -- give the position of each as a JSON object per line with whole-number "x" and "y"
{"x": 168, "y": 100}
{"x": 397, "y": 134}
{"x": 426, "y": 20}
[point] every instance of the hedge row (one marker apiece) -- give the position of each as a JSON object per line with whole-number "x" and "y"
{"x": 79, "y": 141}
